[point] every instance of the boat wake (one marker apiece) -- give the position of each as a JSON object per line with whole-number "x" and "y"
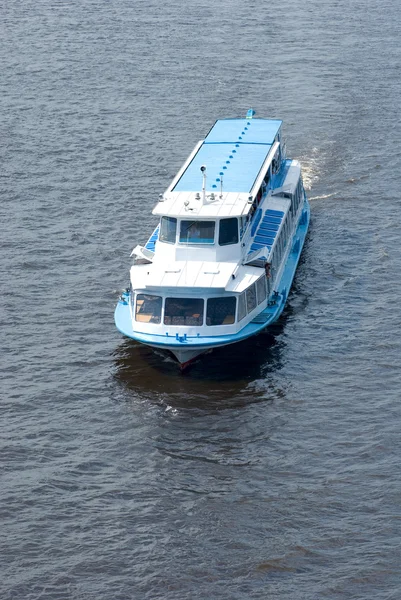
{"x": 311, "y": 168}
{"x": 323, "y": 196}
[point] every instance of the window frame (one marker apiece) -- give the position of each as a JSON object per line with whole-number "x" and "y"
{"x": 197, "y": 242}
{"x": 182, "y": 300}
{"x": 241, "y": 299}
{"x": 160, "y": 234}
{"x": 233, "y": 314}
{"x": 263, "y": 279}
{"x": 228, "y": 219}
{"x": 136, "y": 311}
{"x": 248, "y": 289}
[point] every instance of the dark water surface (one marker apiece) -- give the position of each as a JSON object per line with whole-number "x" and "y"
{"x": 271, "y": 470}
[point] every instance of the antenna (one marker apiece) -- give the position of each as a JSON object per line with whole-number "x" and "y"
{"x": 221, "y": 184}
{"x": 203, "y": 171}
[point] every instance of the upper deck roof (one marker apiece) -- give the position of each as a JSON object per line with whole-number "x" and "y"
{"x": 235, "y": 147}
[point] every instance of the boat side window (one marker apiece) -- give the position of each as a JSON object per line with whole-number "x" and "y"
{"x": 197, "y": 232}
{"x": 274, "y": 261}
{"x": 148, "y": 308}
{"x": 241, "y": 307}
{"x": 251, "y": 298}
{"x": 261, "y": 289}
{"x": 292, "y": 205}
{"x": 168, "y": 230}
{"x": 228, "y": 231}
{"x": 183, "y": 311}
{"x": 221, "y": 311}
{"x": 277, "y": 251}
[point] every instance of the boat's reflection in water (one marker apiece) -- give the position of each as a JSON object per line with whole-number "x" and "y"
{"x": 231, "y": 376}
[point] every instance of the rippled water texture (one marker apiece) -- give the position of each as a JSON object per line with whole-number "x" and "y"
{"x": 270, "y": 470}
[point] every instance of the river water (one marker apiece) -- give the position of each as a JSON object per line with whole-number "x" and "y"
{"x": 270, "y": 470}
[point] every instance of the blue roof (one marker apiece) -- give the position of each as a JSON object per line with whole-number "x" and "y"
{"x": 235, "y": 147}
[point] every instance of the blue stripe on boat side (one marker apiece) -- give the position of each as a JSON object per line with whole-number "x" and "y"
{"x": 258, "y": 246}
{"x": 266, "y": 235}
{"x": 269, "y": 219}
{"x": 267, "y": 232}
{"x": 276, "y": 213}
{"x": 259, "y": 239}
{"x": 150, "y": 244}
{"x": 268, "y": 227}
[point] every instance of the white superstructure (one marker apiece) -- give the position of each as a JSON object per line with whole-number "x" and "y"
{"x": 211, "y": 273}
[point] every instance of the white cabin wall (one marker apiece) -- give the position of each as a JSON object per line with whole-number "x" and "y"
{"x": 191, "y": 252}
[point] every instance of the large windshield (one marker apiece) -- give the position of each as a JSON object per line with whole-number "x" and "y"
{"x": 148, "y": 308}
{"x": 228, "y": 233}
{"x": 197, "y": 232}
{"x": 221, "y": 311}
{"x": 168, "y": 229}
{"x": 183, "y": 311}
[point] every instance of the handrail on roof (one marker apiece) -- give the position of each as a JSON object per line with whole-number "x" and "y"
{"x": 263, "y": 168}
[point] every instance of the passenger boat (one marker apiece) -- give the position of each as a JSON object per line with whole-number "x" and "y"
{"x": 218, "y": 267}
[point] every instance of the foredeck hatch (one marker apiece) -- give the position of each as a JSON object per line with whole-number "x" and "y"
{"x": 235, "y": 150}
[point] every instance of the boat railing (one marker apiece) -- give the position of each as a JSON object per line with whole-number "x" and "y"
{"x": 245, "y": 238}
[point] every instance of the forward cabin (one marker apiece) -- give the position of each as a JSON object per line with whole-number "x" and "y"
{"x": 219, "y": 264}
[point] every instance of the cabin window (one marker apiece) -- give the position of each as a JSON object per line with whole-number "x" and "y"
{"x": 241, "y": 307}
{"x": 291, "y": 197}
{"x": 261, "y": 289}
{"x": 275, "y": 259}
{"x": 220, "y": 311}
{"x": 251, "y": 298}
{"x": 183, "y": 311}
{"x": 197, "y": 232}
{"x": 148, "y": 308}
{"x": 168, "y": 230}
{"x": 228, "y": 232}
{"x": 297, "y": 197}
